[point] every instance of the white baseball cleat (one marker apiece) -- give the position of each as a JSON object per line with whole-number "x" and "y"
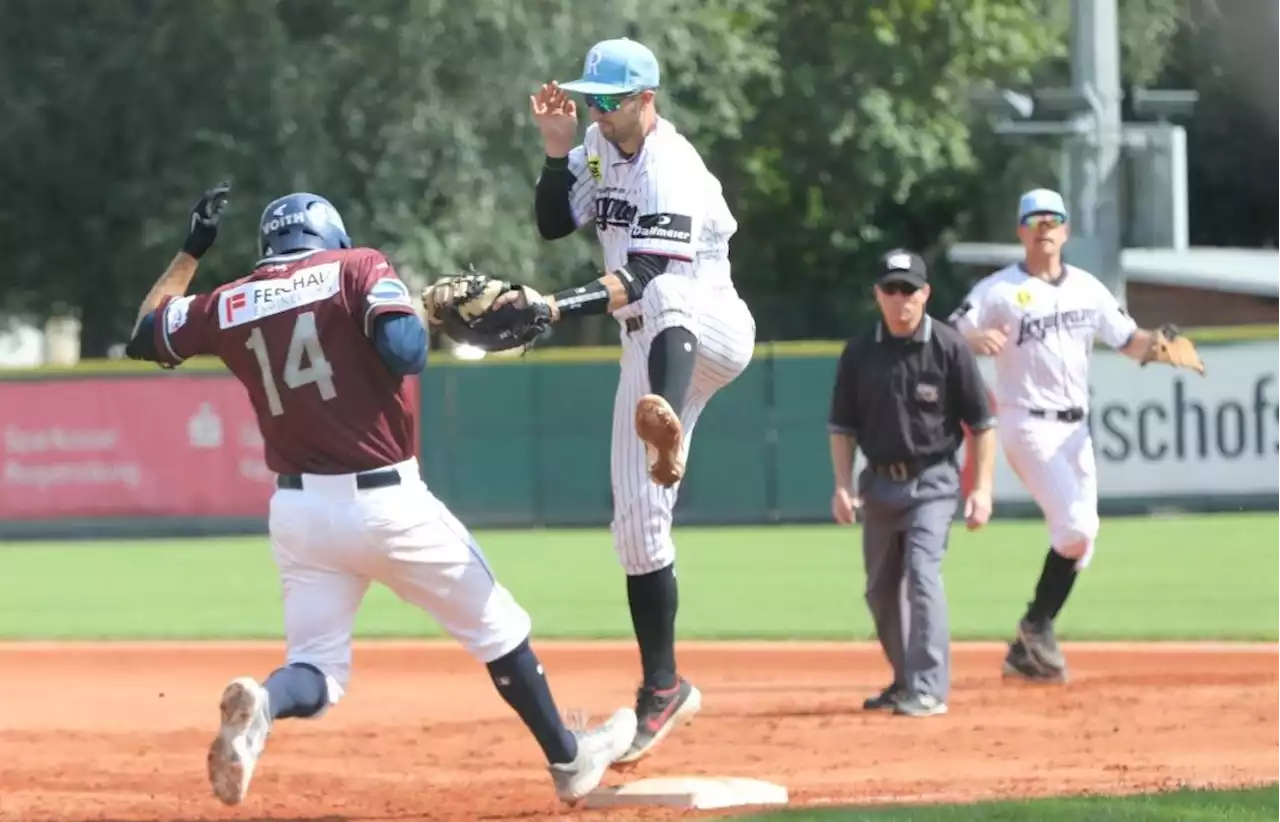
{"x": 598, "y": 748}
{"x": 240, "y": 740}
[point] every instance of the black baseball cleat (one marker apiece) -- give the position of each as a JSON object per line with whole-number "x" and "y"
{"x": 1020, "y": 664}
{"x": 1038, "y": 640}
{"x": 658, "y": 713}
{"x": 886, "y": 700}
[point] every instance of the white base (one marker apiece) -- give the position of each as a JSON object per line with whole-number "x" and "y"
{"x": 690, "y": 792}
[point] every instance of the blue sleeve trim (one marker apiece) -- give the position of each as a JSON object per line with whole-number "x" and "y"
{"x": 143, "y": 344}
{"x": 401, "y": 341}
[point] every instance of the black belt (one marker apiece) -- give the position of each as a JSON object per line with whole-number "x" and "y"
{"x": 906, "y": 469}
{"x": 373, "y": 479}
{"x": 634, "y": 324}
{"x": 1068, "y": 415}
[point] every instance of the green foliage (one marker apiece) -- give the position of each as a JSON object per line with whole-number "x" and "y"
{"x": 838, "y": 129}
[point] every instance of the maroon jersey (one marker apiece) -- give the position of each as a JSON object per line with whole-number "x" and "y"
{"x": 297, "y": 333}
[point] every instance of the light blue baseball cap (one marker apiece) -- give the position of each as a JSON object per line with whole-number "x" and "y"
{"x": 616, "y": 67}
{"x": 1041, "y": 201}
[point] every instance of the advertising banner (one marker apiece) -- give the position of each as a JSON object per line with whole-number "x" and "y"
{"x": 181, "y": 445}
{"x": 1162, "y": 432}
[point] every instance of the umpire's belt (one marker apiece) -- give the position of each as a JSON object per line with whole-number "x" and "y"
{"x": 906, "y": 469}
{"x": 1066, "y": 415}
{"x": 372, "y": 479}
{"x": 634, "y": 324}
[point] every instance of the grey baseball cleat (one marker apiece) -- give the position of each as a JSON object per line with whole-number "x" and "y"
{"x": 919, "y": 705}
{"x": 885, "y": 700}
{"x": 1019, "y": 664}
{"x": 598, "y": 748}
{"x": 241, "y": 738}
{"x": 1041, "y": 644}
{"x": 658, "y": 714}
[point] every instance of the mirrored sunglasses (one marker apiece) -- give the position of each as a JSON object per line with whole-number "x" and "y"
{"x": 1046, "y": 220}
{"x": 607, "y": 103}
{"x": 899, "y": 288}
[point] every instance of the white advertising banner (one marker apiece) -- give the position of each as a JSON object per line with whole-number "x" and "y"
{"x": 1159, "y": 432}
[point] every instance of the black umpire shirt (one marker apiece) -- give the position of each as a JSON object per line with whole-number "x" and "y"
{"x": 903, "y": 399}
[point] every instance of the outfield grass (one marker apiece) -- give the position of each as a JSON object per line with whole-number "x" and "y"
{"x": 1184, "y": 806}
{"x": 1205, "y": 577}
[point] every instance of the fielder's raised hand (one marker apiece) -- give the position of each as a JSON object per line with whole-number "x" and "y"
{"x": 204, "y": 220}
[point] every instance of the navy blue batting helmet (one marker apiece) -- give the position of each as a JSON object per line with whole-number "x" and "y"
{"x": 300, "y": 222}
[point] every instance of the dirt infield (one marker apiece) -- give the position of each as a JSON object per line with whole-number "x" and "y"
{"x": 119, "y": 732}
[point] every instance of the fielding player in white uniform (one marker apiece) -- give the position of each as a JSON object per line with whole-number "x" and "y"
{"x": 664, "y": 226}
{"x": 324, "y": 336}
{"x": 1039, "y": 318}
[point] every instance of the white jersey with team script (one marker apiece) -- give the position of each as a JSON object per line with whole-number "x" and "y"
{"x": 662, "y": 201}
{"x": 1052, "y": 327}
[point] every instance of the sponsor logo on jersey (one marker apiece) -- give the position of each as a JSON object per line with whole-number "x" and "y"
{"x": 926, "y": 392}
{"x": 615, "y": 213}
{"x": 593, "y": 165}
{"x": 1023, "y": 297}
{"x": 264, "y": 298}
{"x": 175, "y": 316}
{"x": 389, "y": 291}
{"x": 677, "y": 228}
{"x": 1035, "y": 329}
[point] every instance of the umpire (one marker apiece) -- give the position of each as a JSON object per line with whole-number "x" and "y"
{"x": 902, "y": 391}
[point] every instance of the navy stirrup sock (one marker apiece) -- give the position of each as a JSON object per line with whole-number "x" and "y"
{"x": 297, "y": 690}
{"x": 522, "y": 684}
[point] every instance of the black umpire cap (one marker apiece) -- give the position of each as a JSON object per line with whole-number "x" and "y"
{"x": 902, "y": 266}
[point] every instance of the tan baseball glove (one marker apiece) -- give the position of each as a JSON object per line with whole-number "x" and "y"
{"x": 1169, "y": 346}
{"x": 468, "y": 310}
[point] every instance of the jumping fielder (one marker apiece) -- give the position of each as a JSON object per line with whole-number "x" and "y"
{"x": 664, "y": 227}
{"x": 324, "y": 338}
{"x": 1038, "y": 318}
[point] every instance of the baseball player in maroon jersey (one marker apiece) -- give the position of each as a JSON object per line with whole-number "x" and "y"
{"x": 324, "y": 337}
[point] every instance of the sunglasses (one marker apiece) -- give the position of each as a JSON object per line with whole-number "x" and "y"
{"x": 899, "y": 288}
{"x": 1046, "y": 220}
{"x": 608, "y": 103}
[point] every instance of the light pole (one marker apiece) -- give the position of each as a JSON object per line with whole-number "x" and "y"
{"x": 1088, "y": 114}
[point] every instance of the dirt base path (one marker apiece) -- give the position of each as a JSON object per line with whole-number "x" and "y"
{"x": 119, "y": 732}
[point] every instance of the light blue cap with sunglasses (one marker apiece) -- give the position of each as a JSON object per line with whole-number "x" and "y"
{"x": 616, "y": 67}
{"x": 1041, "y": 201}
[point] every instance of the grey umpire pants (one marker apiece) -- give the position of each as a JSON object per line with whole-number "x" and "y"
{"x": 904, "y": 536}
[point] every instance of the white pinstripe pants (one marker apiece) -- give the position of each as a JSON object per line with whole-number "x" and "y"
{"x": 726, "y": 334}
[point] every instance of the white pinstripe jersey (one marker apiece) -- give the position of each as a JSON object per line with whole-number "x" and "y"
{"x": 663, "y": 201}
{"x": 1052, "y": 326}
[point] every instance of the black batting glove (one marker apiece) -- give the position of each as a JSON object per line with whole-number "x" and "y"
{"x": 204, "y": 220}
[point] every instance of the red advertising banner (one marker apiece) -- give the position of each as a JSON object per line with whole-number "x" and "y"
{"x": 171, "y": 445}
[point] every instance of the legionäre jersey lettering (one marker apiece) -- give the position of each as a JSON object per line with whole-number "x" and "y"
{"x": 662, "y": 201}
{"x": 1051, "y": 328}
{"x": 296, "y": 333}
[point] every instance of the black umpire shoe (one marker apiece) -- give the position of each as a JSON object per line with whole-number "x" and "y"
{"x": 886, "y": 700}
{"x": 1038, "y": 639}
{"x": 1020, "y": 664}
{"x": 658, "y": 713}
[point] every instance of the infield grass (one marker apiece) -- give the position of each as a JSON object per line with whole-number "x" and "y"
{"x": 1202, "y": 577}
{"x": 1183, "y": 805}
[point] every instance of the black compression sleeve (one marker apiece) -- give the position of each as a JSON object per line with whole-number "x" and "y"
{"x": 593, "y": 298}
{"x": 644, "y": 267}
{"x": 551, "y": 201}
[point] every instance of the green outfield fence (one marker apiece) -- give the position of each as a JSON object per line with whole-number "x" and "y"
{"x": 529, "y": 443}
{"x": 524, "y": 440}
